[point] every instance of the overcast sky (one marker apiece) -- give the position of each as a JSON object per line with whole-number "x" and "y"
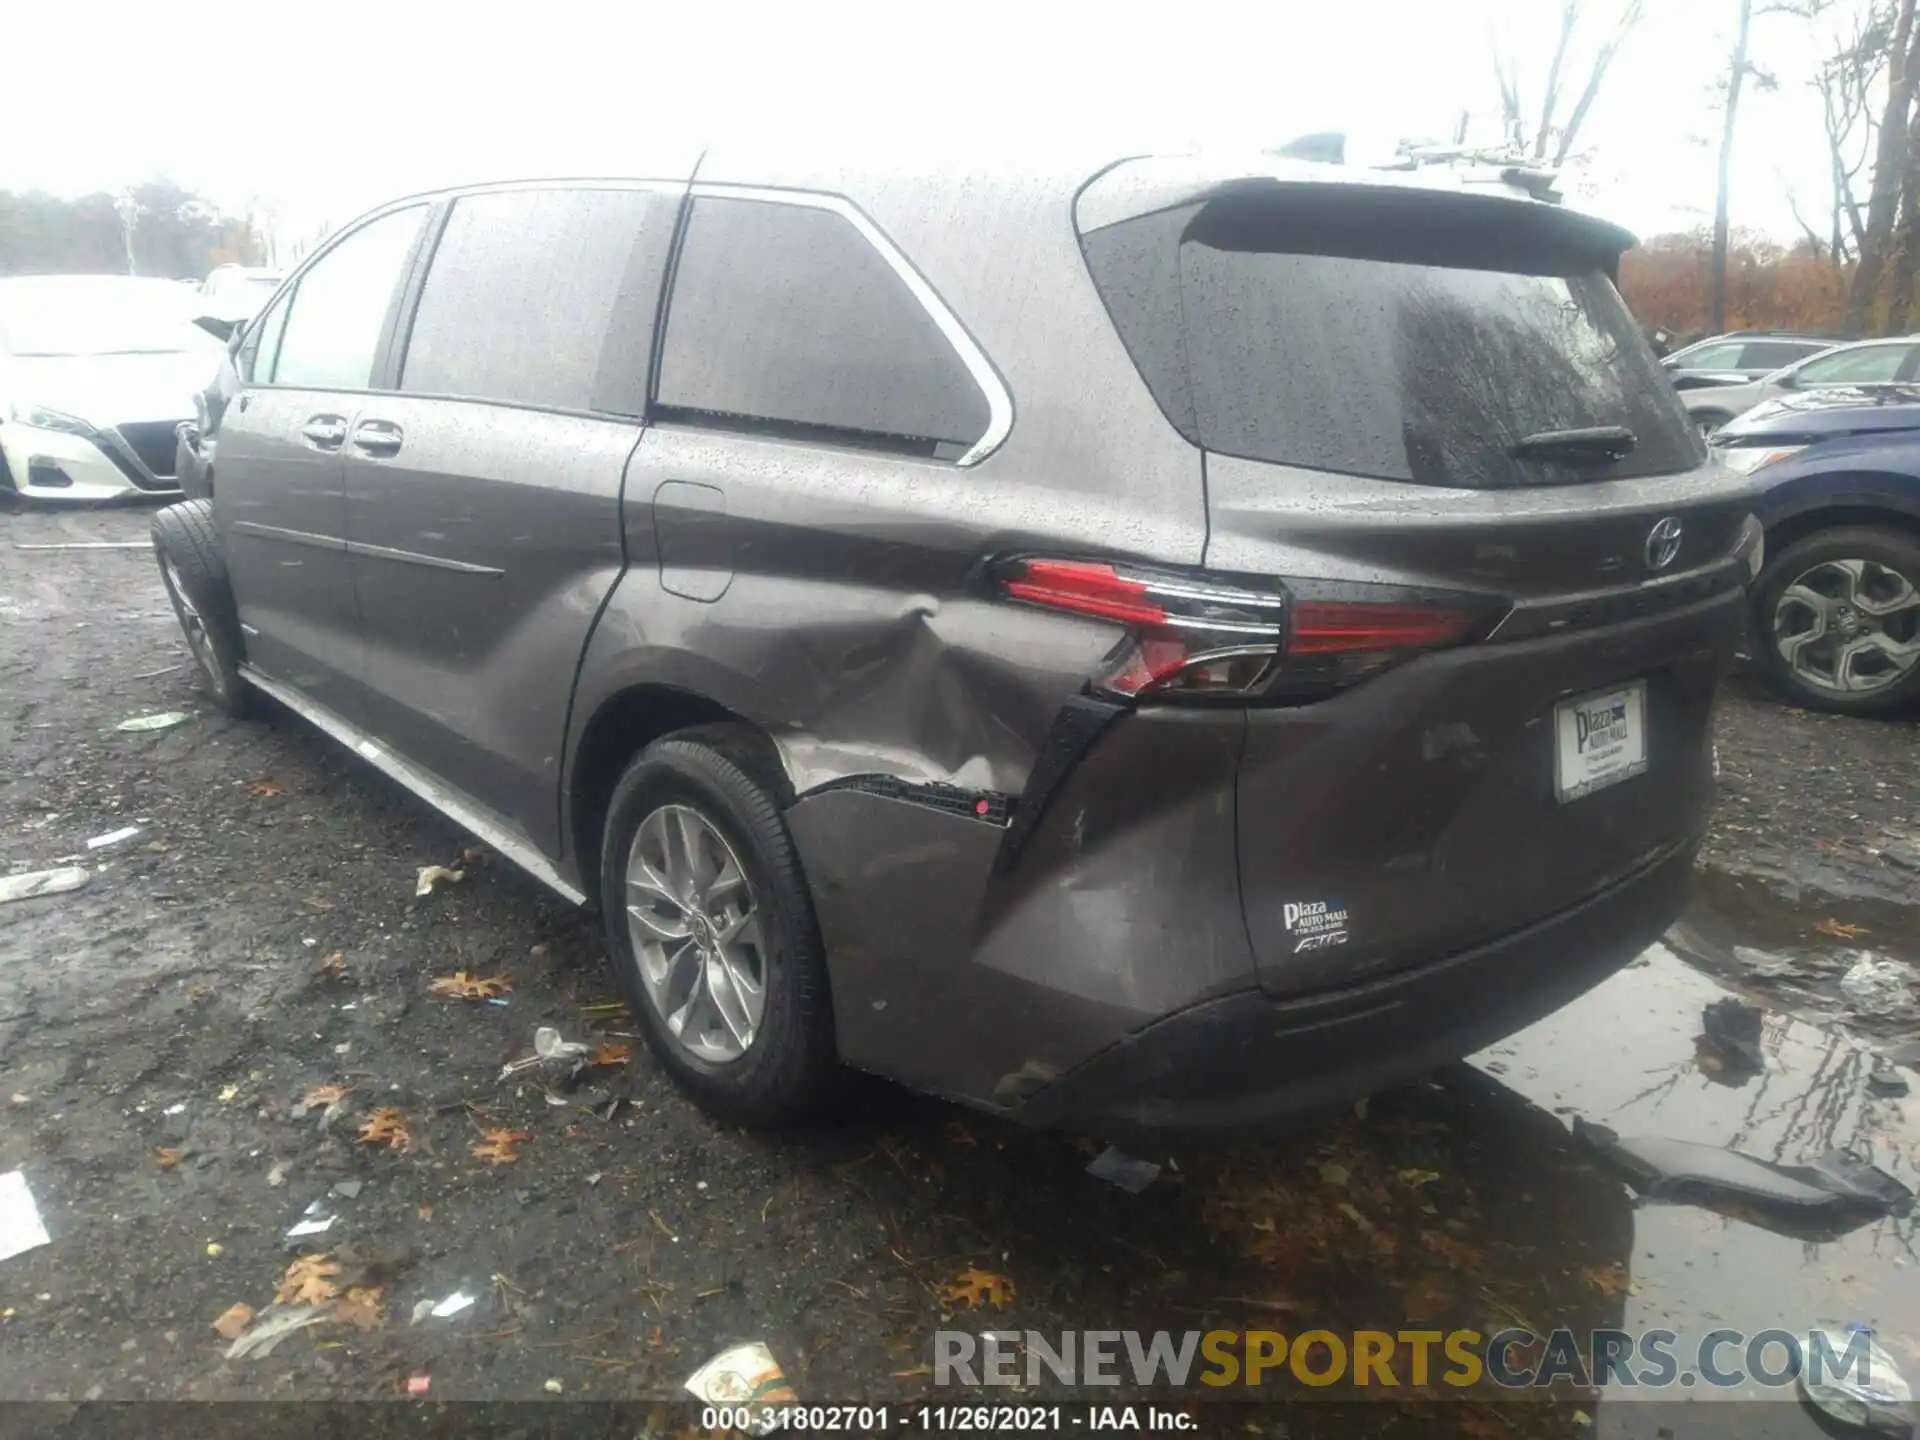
{"x": 328, "y": 106}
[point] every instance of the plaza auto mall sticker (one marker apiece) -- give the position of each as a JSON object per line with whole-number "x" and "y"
{"x": 1315, "y": 924}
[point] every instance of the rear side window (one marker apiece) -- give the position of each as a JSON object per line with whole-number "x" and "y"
{"x": 543, "y": 297}
{"x": 786, "y": 320}
{"x": 1870, "y": 364}
{"x": 1718, "y": 357}
{"x": 1772, "y": 354}
{"x": 339, "y": 308}
{"x": 1414, "y": 337}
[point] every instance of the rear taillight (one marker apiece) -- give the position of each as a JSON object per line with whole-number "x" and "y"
{"x": 1194, "y": 637}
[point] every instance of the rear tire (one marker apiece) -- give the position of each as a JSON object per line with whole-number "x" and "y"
{"x": 194, "y": 572}
{"x": 1709, "y": 422}
{"x": 716, "y": 938}
{"x": 1856, "y": 587}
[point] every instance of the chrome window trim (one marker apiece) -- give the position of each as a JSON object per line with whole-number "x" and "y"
{"x": 992, "y": 387}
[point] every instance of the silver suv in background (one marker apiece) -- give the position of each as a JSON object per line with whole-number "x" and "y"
{"x": 1146, "y": 643}
{"x": 1867, "y": 363}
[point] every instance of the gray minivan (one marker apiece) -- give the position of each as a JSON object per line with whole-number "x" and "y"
{"x": 1164, "y": 643}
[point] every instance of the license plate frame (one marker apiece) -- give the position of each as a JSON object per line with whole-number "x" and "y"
{"x": 1599, "y": 740}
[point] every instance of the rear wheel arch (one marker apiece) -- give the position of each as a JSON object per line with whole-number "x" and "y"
{"x": 1796, "y": 524}
{"x": 628, "y": 721}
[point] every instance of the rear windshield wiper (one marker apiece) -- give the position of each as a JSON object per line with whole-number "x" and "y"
{"x": 1609, "y": 442}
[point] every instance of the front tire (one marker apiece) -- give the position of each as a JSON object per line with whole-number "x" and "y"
{"x": 1709, "y": 422}
{"x": 194, "y": 572}
{"x": 713, "y": 934}
{"x": 1836, "y": 621}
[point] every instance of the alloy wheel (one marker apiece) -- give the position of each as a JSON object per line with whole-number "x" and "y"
{"x": 694, "y": 922}
{"x": 1851, "y": 627}
{"x": 199, "y": 642}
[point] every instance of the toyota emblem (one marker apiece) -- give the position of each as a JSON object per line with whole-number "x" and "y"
{"x": 1663, "y": 543}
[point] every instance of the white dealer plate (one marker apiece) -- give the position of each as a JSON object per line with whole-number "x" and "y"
{"x": 1599, "y": 740}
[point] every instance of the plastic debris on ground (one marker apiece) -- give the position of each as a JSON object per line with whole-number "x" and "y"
{"x": 316, "y": 1219}
{"x": 1129, "y": 1174}
{"x": 1731, "y": 1029}
{"x": 348, "y": 1188}
{"x": 113, "y": 837}
{"x": 432, "y": 875}
{"x": 456, "y": 1302}
{"x": 744, "y": 1375}
{"x": 1833, "y": 1194}
{"x": 165, "y": 720}
{"x": 1885, "y": 1080}
{"x": 1882, "y": 989}
{"x": 36, "y": 883}
{"x": 274, "y": 1325}
{"x": 1882, "y": 1405}
{"x": 21, "y": 1228}
{"x": 548, "y": 1048}
{"x": 418, "y": 1384}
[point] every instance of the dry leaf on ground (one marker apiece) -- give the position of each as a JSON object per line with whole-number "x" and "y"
{"x": 431, "y": 875}
{"x": 165, "y": 1159}
{"x": 307, "y": 1281}
{"x": 333, "y": 966}
{"x": 475, "y": 855}
{"x": 977, "y": 1287}
{"x": 264, "y": 790}
{"x": 1610, "y": 1282}
{"x": 500, "y": 1146}
{"x": 611, "y": 1054}
{"x": 362, "y": 1307}
{"x": 1840, "y": 930}
{"x": 387, "y": 1126}
{"x": 462, "y": 986}
{"x": 232, "y": 1321}
{"x": 325, "y": 1097}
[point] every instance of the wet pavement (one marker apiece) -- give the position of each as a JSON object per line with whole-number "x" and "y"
{"x": 260, "y": 937}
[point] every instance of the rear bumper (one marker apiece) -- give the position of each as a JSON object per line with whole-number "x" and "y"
{"x": 1245, "y": 1061}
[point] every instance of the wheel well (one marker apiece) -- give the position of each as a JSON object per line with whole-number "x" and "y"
{"x": 1797, "y": 527}
{"x": 623, "y": 726}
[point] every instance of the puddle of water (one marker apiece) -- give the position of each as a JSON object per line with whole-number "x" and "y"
{"x": 1624, "y": 1056}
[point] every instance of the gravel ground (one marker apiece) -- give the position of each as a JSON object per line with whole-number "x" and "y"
{"x": 260, "y": 937}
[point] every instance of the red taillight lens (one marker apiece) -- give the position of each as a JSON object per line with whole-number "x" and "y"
{"x": 1331, "y": 627}
{"x": 1195, "y": 637}
{"x": 1085, "y": 589}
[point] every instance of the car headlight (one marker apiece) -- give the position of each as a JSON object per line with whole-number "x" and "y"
{"x": 1745, "y": 459}
{"x": 42, "y": 418}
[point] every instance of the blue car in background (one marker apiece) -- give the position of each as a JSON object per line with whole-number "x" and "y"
{"x": 1836, "y": 609}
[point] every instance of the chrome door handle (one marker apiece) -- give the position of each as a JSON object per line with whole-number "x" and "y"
{"x": 377, "y": 438}
{"x": 325, "y": 432}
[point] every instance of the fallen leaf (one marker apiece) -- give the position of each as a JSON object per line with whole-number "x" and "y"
{"x": 611, "y": 1053}
{"x": 1840, "y": 930}
{"x": 232, "y": 1321}
{"x": 165, "y": 1159}
{"x": 977, "y": 1287}
{"x": 387, "y": 1126}
{"x": 914, "y": 1374}
{"x": 475, "y": 854}
{"x": 362, "y": 1307}
{"x": 431, "y": 875}
{"x": 306, "y": 1281}
{"x": 264, "y": 790}
{"x": 462, "y": 986}
{"x": 426, "y": 1213}
{"x": 227, "y": 1092}
{"x": 333, "y": 966}
{"x": 500, "y": 1146}
{"x": 1611, "y": 1281}
{"x": 1417, "y": 1178}
{"x": 960, "y": 1135}
{"x": 325, "y": 1097}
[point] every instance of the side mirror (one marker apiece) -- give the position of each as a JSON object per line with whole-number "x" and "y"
{"x": 1788, "y": 381}
{"x": 221, "y": 327}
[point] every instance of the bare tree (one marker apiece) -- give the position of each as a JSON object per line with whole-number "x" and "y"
{"x": 1845, "y": 79}
{"x": 1889, "y": 168}
{"x": 1550, "y": 138}
{"x": 1736, "y": 78}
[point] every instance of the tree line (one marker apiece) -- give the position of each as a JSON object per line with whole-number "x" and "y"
{"x": 156, "y": 228}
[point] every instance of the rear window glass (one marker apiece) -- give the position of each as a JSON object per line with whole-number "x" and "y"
{"x": 1361, "y": 335}
{"x": 786, "y": 320}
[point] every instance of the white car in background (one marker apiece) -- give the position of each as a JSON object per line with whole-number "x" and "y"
{"x": 96, "y": 371}
{"x": 237, "y": 292}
